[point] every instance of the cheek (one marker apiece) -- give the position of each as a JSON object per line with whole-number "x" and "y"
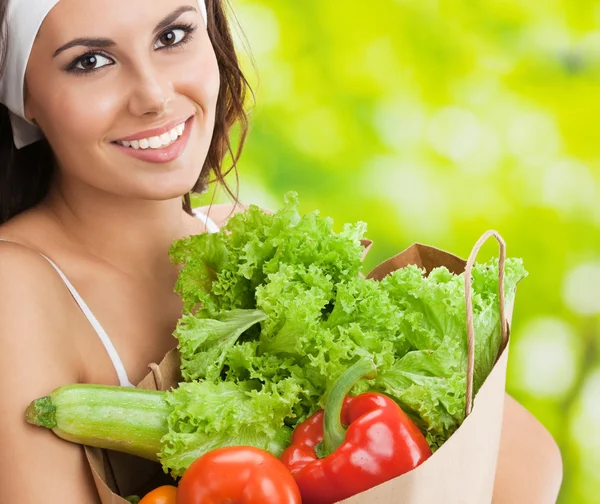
{"x": 75, "y": 114}
{"x": 200, "y": 82}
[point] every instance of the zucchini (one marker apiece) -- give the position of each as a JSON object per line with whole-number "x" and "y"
{"x": 117, "y": 418}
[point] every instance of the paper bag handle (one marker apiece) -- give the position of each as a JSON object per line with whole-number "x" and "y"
{"x": 469, "y": 303}
{"x": 157, "y": 375}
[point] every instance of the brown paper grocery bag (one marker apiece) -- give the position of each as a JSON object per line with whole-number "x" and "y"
{"x": 460, "y": 472}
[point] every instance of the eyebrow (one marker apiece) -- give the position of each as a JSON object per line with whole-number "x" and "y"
{"x": 105, "y": 42}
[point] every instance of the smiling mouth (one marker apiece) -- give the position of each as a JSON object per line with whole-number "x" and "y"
{"x": 155, "y": 142}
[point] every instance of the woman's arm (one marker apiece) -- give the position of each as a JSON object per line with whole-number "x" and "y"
{"x": 529, "y": 463}
{"x": 35, "y": 357}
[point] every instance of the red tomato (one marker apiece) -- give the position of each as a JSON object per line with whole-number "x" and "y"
{"x": 238, "y": 475}
{"x": 162, "y": 495}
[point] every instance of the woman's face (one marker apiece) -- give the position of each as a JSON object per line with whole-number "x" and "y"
{"x": 113, "y": 83}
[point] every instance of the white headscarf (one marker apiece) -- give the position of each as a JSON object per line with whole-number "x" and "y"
{"x": 24, "y": 19}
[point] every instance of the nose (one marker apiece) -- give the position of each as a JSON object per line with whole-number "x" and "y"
{"x": 151, "y": 92}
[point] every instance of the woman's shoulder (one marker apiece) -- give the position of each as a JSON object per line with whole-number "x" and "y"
{"x": 24, "y": 232}
{"x": 34, "y": 325}
{"x": 20, "y": 263}
{"x": 36, "y": 356}
{"x": 32, "y": 295}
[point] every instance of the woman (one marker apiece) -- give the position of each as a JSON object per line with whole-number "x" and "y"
{"x": 135, "y": 101}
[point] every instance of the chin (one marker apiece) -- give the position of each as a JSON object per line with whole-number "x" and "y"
{"x": 169, "y": 185}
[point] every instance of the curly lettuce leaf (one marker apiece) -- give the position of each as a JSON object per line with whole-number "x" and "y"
{"x": 206, "y": 416}
{"x": 203, "y": 257}
{"x": 221, "y": 271}
{"x": 203, "y": 342}
{"x": 430, "y": 380}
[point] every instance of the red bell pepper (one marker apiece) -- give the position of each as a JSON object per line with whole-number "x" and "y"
{"x": 330, "y": 463}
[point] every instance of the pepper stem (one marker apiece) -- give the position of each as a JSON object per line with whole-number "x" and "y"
{"x": 334, "y": 433}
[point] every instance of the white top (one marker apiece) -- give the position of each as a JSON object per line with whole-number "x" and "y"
{"x": 211, "y": 227}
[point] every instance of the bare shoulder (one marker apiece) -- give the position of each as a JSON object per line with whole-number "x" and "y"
{"x": 25, "y": 271}
{"x": 33, "y": 311}
{"x": 529, "y": 463}
{"x": 35, "y": 358}
{"x": 222, "y": 212}
{"x": 34, "y": 316}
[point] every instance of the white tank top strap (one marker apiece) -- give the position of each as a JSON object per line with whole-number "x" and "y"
{"x": 106, "y": 341}
{"x": 211, "y": 226}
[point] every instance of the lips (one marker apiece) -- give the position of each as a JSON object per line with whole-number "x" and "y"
{"x": 155, "y": 131}
{"x": 164, "y": 144}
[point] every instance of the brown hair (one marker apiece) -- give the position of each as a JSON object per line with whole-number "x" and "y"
{"x": 26, "y": 174}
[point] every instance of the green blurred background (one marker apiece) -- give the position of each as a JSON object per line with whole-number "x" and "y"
{"x": 432, "y": 121}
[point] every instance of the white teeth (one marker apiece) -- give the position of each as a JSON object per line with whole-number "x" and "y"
{"x": 156, "y": 142}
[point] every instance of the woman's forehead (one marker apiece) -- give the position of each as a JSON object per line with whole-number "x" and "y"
{"x": 106, "y": 18}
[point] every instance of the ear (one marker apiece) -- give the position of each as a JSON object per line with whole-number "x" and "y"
{"x": 27, "y": 107}
{"x": 29, "y": 115}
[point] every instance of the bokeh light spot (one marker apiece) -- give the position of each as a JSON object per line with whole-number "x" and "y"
{"x": 581, "y": 289}
{"x": 260, "y": 26}
{"x": 454, "y": 132}
{"x": 568, "y": 185}
{"x": 545, "y": 358}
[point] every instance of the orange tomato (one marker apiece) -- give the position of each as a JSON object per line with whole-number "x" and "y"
{"x": 162, "y": 495}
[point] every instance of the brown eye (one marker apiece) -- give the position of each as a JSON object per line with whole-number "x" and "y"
{"x": 92, "y": 61}
{"x": 89, "y": 62}
{"x": 170, "y": 38}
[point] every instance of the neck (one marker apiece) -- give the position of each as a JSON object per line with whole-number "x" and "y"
{"x": 129, "y": 234}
